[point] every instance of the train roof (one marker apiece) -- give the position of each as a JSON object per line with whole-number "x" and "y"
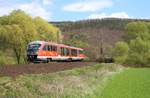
{"x": 62, "y": 45}
{"x": 37, "y": 42}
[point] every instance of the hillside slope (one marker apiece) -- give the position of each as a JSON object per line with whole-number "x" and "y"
{"x": 100, "y": 34}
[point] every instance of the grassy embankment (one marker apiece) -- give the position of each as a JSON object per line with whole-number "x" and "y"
{"x": 85, "y": 82}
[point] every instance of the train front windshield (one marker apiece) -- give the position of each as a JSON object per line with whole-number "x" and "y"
{"x": 33, "y": 48}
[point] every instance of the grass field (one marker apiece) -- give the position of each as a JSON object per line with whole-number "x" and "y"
{"x": 132, "y": 83}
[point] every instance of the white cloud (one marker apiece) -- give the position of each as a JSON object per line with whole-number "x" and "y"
{"x": 5, "y": 11}
{"x": 47, "y": 2}
{"x": 113, "y": 15}
{"x": 88, "y": 6}
{"x": 33, "y": 8}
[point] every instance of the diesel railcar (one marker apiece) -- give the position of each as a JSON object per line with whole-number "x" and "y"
{"x": 42, "y": 51}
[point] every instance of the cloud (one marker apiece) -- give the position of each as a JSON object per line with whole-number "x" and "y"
{"x": 113, "y": 15}
{"x": 4, "y": 10}
{"x": 33, "y": 8}
{"x": 47, "y": 2}
{"x": 88, "y": 6}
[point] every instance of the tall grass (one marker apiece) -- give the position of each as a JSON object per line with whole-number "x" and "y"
{"x": 84, "y": 82}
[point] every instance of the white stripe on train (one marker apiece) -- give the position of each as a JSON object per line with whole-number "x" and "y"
{"x": 59, "y": 57}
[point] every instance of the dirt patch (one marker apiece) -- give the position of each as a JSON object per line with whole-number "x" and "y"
{"x": 15, "y": 70}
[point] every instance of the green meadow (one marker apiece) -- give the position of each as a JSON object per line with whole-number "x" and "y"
{"x": 132, "y": 83}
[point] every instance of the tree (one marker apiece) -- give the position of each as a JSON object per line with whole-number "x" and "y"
{"x": 120, "y": 52}
{"x": 46, "y": 30}
{"x": 25, "y": 22}
{"x": 4, "y": 20}
{"x": 13, "y": 37}
{"x": 139, "y": 52}
{"x": 77, "y": 40}
{"x": 137, "y": 29}
{"x": 3, "y": 37}
{"x": 18, "y": 29}
{"x": 138, "y": 38}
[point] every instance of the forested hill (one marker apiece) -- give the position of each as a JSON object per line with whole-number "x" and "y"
{"x": 95, "y": 35}
{"x": 109, "y": 23}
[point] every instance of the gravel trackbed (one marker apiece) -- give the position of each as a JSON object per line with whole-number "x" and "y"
{"x": 15, "y": 70}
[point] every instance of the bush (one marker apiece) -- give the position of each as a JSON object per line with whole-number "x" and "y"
{"x": 139, "y": 52}
{"x": 120, "y": 52}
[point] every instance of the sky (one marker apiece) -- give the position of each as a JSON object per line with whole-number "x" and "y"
{"x": 72, "y": 10}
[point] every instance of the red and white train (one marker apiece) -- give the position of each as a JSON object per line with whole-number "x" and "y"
{"x": 41, "y": 51}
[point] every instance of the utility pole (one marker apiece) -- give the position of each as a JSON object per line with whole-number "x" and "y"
{"x": 101, "y": 45}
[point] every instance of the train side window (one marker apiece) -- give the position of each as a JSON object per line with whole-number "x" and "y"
{"x": 49, "y": 47}
{"x": 45, "y": 48}
{"x": 67, "y": 52}
{"x": 74, "y": 52}
{"x": 64, "y": 51}
{"x": 53, "y": 48}
{"x": 80, "y": 51}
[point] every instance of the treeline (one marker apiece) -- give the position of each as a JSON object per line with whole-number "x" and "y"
{"x": 18, "y": 29}
{"x": 135, "y": 49}
{"x": 110, "y": 23}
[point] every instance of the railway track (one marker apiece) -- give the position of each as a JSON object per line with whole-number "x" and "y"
{"x": 15, "y": 70}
